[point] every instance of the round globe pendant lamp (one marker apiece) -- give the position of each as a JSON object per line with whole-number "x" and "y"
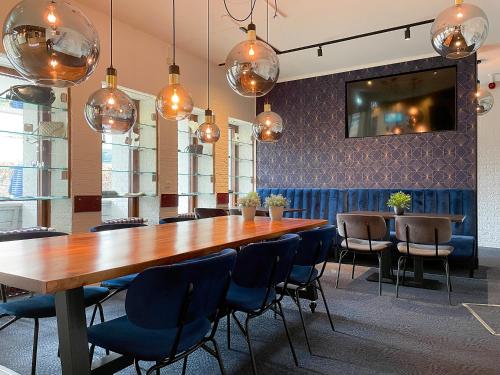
{"x": 459, "y": 31}
{"x": 109, "y": 110}
{"x": 51, "y": 42}
{"x": 483, "y": 100}
{"x": 174, "y": 102}
{"x": 268, "y": 126}
{"x": 208, "y": 132}
{"x": 252, "y": 66}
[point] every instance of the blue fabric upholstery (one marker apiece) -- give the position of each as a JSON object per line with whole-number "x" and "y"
{"x": 106, "y": 227}
{"x": 43, "y": 306}
{"x": 247, "y": 299}
{"x": 161, "y": 301}
{"x": 326, "y": 203}
{"x": 315, "y": 245}
{"x": 302, "y": 274}
{"x": 120, "y": 282}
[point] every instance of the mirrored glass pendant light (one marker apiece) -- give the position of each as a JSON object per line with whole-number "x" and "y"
{"x": 51, "y": 43}
{"x": 484, "y": 100}
{"x": 109, "y": 110}
{"x": 208, "y": 132}
{"x": 174, "y": 102}
{"x": 268, "y": 126}
{"x": 459, "y": 31}
{"x": 252, "y": 66}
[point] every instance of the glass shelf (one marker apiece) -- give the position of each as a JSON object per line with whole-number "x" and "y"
{"x": 28, "y": 167}
{"x": 122, "y": 196}
{"x": 196, "y": 174}
{"x": 25, "y": 134}
{"x": 17, "y": 104}
{"x": 241, "y": 159}
{"x": 129, "y": 146}
{"x": 239, "y": 192}
{"x": 242, "y": 177}
{"x": 131, "y": 172}
{"x": 30, "y": 198}
{"x": 142, "y": 125}
{"x": 193, "y": 194}
{"x": 241, "y": 143}
{"x": 194, "y": 153}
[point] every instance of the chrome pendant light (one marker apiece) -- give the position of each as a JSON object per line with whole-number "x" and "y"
{"x": 268, "y": 126}
{"x": 110, "y": 110}
{"x": 252, "y": 66}
{"x": 483, "y": 100}
{"x": 51, "y": 42}
{"x": 208, "y": 132}
{"x": 174, "y": 102}
{"x": 459, "y": 31}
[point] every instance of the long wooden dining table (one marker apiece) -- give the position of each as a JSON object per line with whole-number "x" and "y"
{"x": 63, "y": 265}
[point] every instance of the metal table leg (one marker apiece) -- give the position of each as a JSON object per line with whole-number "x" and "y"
{"x": 72, "y": 330}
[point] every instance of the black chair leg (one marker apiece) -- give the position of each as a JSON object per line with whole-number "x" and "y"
{"x": 448, "y": 282}
{"x": 184, "y": 365}
{"x": 228, "y": 319}
{"x": 219, "y": 357}
{"x": 379, "y": 274}
{"x": 137, "y": 367}
{"x": 400, "y": 260}
{"x": 342, "y": 254}
{"x": 35, "y": 347}
{"x": 302, "y": 320}
{"x": 353, "y": 265}
{"x": 247, "y": 336}
{"x": 3, "y": 293}
{"x": 288, "y": 335}
{"x": 320, "y": 287}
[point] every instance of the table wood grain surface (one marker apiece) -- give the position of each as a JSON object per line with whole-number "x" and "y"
{"x": 49, "y": 265}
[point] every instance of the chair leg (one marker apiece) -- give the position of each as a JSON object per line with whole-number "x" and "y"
{"x": 288, "y": 335}
{"x": 342, "y": 254}
{"x": 91, "y": 353}
{"x": 247, "y": 336}
{"x": 219, "y": 357}
{"x": 3, "y": 293}
{"x": 448, "y": 283}
{"x": 320, "y": 287}
{"x": 404, "y": 270}
{"x": 158, "y": 369}
{"x": 379, "y": 274}
{"x": 302, "y": 320}
{"x": 401, "y": 258}
{"x": 184, "y": 365}
{"x": 35, "y": 347}
{"x": 353, "y": 265}
{"x": 137, "y": 367}
{"x": 228, "y": 319}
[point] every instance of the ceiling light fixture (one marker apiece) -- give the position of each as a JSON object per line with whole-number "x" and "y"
{"x": 320, "y": 51}
{"x": 208, "y": 132}
{"x": 51, "y": 43}
{"x": 174, "y": 102}
{"x": 109, "y": 110}
{"x": 252, "y": 66}
{"x": 407, "y": 34}
{"x": 483, "y": 100}
{"x": 459, "y": 31}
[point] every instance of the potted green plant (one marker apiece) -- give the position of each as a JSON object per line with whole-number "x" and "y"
{"x": 400, "y": 202}
{"x": 276, "y": 204}
{"x": 248, "y": 205}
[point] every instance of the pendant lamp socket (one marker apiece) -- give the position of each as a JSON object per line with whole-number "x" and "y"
{"x": 407, "y": 34}
{"x": 320, "y": 51}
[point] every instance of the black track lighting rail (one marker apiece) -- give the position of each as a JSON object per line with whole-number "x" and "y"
{"x": 346, "y": 39}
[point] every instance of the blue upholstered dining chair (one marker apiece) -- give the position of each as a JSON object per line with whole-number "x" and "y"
{"x": 42, "y": 306}
{"x": 115, "y": 226}
{"x": 171, "y": 311}
{"x": 259, "y": 268}
{"x": 309, "y": 266}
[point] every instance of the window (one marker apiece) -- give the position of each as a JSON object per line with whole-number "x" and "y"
{"x": 195, "y": 166}
{"x": 34, "y": 152}
{"x": 129, "y": 174}
{"x": 241, "y": 151}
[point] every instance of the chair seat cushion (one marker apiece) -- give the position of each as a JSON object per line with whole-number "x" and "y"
{"x": 425, "y": 250}
{"x": 43, "y": 306}
{"x": 120, "y": 282}
{"x": 356, "y": 244}
{"x": 300, "y": 274}
{"x": 463, "y": 245}
{"x": 121, "y": 336}
{"x": 247, "y": 299}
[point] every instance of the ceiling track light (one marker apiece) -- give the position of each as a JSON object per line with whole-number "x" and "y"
{"x": 407, "y": 33}
{"x": 320, "y": 51}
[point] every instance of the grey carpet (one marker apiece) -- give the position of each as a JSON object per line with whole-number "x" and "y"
{"x": 418, "y": 333}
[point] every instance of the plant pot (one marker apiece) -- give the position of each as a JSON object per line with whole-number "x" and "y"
{"x": 399, "y": 210}
{"x": 248, "y": 213}
{"x": 276, "y": 213}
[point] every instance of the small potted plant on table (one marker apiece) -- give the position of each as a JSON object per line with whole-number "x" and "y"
{"x": 276, "y": 204}
{"x": 248, "y": 205}
{"x": 400, "y": 202}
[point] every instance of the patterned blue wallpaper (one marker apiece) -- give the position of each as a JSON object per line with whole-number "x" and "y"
{"x": 314, "y": 153}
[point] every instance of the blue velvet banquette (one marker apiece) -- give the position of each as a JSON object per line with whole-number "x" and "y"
{"x": 326, "y": 203}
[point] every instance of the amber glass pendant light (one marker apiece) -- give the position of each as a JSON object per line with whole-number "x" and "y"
{"x": 208, "y": 132}
{"x": 109, "y": 110}
{"x": 174, "y": 102}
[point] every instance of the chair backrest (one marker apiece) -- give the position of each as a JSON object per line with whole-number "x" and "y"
{"x": 106, "y": 227}
{"x": 423, "y": 230}
{"x": 205, "y": 213}
{"x": 176, "y": 219}
{"x": 170, "y": 296}
{"x": 257, "y": 266}
{"x": 315, "y": 245}
{"x": 363, "y": 227}
{"x": 30, "y": 235}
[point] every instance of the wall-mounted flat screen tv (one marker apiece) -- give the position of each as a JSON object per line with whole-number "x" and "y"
{"x": 418, "y": 102}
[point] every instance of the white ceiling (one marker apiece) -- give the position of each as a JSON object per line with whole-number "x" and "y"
{"x": 301, "y": 22}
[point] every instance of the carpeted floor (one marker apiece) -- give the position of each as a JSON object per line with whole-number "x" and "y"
{"x": 419, "y": 333}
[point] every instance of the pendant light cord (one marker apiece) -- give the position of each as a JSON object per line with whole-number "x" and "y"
{"x": 252, "y": 6}
{"x": 173, "y": 25}
{"x": 111, "y": 31}
{"x": 208, "y": 53}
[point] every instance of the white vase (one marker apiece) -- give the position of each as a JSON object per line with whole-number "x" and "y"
{"x": 248, "y": 213}
{"x": 276, "y": 213}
